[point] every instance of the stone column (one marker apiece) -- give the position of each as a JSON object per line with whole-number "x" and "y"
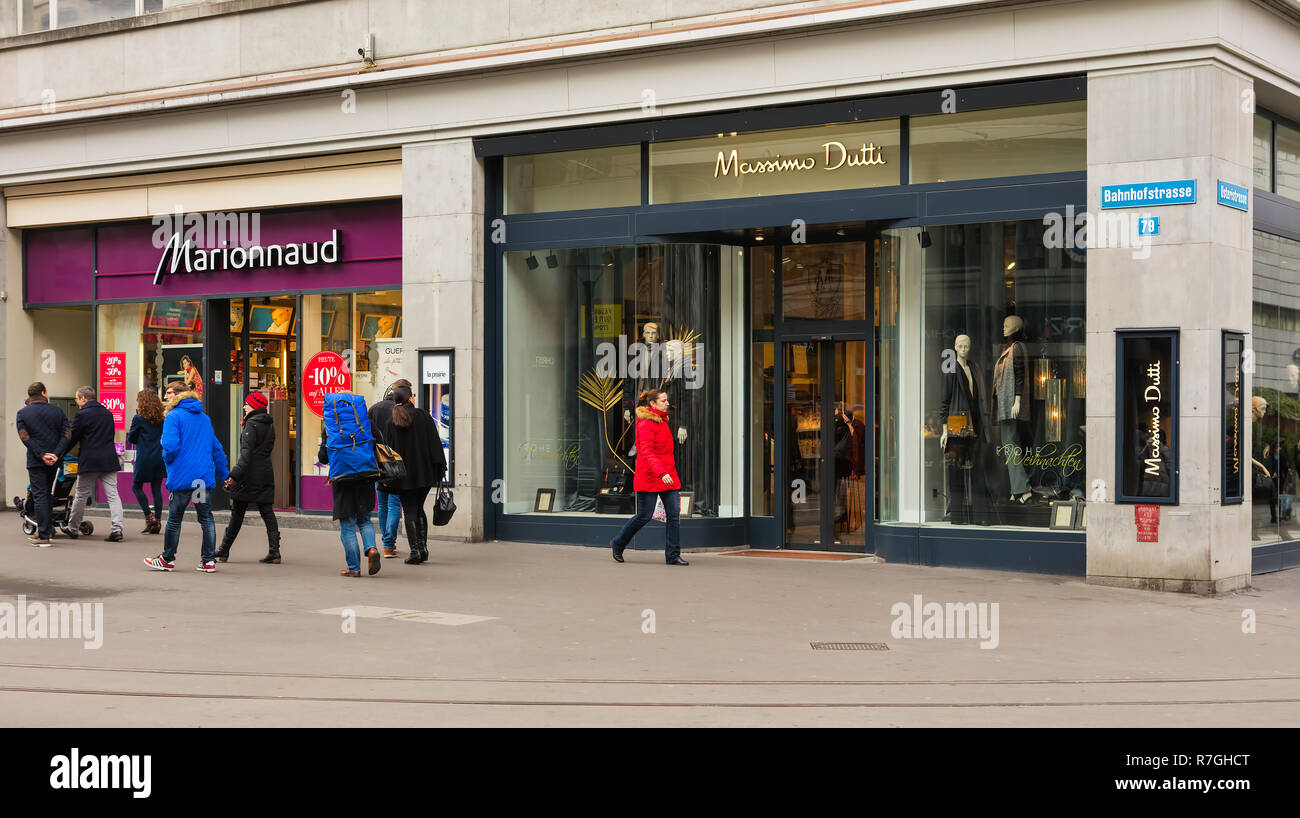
{"x": 442, "y": 299}
{"x": 1190, "y": 121}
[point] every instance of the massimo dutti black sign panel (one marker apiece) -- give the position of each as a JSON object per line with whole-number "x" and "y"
{"x": 1233, "y": 485}
{"x": 1146, "y": 416}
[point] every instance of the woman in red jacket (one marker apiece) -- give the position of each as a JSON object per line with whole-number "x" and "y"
{"x": 656, "y": 476}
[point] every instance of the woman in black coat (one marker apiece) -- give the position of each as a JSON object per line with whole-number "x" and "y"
{"x": 413, "y": 434}
{"x": 146, "y": 435}
{"x": 252, "y": 480}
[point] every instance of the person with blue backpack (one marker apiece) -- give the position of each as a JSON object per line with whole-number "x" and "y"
{"x": 196, "y": 465}
{"x": 348, "y": 447}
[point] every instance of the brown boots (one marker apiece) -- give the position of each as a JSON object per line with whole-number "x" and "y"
{"x": 152, "y": 525}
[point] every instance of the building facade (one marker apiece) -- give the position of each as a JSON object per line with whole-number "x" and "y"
{"x": 919, "y": 280}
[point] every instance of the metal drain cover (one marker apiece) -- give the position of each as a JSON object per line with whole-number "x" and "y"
{"x": 849, "y": 646}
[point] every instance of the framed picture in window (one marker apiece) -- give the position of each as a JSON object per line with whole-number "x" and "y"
{"x": 327, "y": 323}
{"x": 380, "y": 326}
{"x": 270, "y": 319}
{"x": 687, "y": 503}
{"x": 545, "y": 502}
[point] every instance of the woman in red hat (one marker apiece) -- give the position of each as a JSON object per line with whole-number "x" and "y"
{"x": 252, "y": 480}
{"x": 655, "y": 478}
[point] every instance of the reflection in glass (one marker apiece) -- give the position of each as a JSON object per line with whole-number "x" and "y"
{"x": 824, "y": 282}
{"x": 803, "y": 427}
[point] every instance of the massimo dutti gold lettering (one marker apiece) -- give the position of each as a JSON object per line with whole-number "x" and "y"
{"x": 836, "y": 156}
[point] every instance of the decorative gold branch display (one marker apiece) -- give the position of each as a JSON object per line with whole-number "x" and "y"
{"x": 602, "y": 394}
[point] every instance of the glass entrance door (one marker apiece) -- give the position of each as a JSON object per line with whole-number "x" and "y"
{"x": 825, "y": 459}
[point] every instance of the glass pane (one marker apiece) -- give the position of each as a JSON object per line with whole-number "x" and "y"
{"x": 1050, "y": 138}
{"x": 587, "y": 330}
{"x": 333, "y": 315}
{"x": 1288, "y": 162}
{"x": 762, "y": 432}
{"x": 1004, "y": 386}
{"x": 34, "y": 16}
{"x": 1275, "y": 431}
{"x": 573, "y": 180}
{"x": 766, "y": 163}
{"x": 850, "y": 427}
{"x": 888, "y": 387}
{"x": 824, "y": 282}
{"x": 803, "y": 429}
{"x": 83, "y": 12}
{"x": 1263, "y": 160}
{"x": 762, "y": 288}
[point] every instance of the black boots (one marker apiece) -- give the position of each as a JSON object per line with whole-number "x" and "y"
{"x": 273, "y": 548}
{"x": 416, "y": 532}
{"x": 223, "y": 550}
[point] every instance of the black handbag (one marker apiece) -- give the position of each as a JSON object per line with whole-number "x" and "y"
{"x": 443, "y": 506}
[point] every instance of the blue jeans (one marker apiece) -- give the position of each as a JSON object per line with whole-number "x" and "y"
{"x": 348, "y": 534}
{"x": 176, "y": 505}
{"x": 645, "y": 509}
{"x": 390, "y": 516}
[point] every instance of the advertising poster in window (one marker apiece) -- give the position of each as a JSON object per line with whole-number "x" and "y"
{"x": 437, "y": 382}
{"x": 1234, "y": 347}
{"x": 112, "y": 386}
{"x": 1146, "y": 416}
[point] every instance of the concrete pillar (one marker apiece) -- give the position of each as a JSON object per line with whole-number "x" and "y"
{"x": 1150, "y": 125}
{"x": 442, "y": 298}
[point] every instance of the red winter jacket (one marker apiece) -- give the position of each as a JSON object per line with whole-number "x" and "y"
{"x": 654, "y": 452}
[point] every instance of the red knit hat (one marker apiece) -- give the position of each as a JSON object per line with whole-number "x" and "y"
{"x": 256, "y": 400}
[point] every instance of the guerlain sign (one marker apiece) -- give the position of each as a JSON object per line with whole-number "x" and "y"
{"x": 186, "y": 257}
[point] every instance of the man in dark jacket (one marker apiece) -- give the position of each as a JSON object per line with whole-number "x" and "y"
{"x": 41, "y": 428}
{"x": 96, "y": 464}
{"x": 252, "y": 480}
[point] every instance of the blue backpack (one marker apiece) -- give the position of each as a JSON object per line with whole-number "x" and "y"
{"x": 348, "y": 438}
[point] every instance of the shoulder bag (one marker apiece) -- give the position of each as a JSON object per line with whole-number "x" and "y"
{"x": 391, "y": 465}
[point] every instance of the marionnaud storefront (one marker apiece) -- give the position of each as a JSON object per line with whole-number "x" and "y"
{"x": 293, "y": 303}
{"x": 868, "y": 342}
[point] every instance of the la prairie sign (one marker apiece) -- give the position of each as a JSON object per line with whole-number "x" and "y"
{"x": 186, "y": 257}
{"x": 834, "y": 156}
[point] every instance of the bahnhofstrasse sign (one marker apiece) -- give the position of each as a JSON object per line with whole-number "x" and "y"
{"x": 185, "y": 256}
{"x": 834, "y": 156}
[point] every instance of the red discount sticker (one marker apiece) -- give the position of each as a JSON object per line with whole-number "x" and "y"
{"x": 325, "y": 374}
{"x": 115, "y": 402}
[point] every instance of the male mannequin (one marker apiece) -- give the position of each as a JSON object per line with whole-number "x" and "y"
{"x": 1010, "y": 379}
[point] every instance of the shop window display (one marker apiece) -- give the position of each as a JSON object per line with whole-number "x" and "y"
{"x": 1275, "y": 395}
{"x": 586, "y": 332}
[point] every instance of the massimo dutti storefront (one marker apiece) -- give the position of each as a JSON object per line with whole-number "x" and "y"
{"x": 291, "y": 302}
{"x": 868, "y": 344}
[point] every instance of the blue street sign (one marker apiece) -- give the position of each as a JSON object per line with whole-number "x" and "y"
{"x": 1148, "y": 194}
{"x": 1234, "y": 195}
{"x": 1149, "y": 226}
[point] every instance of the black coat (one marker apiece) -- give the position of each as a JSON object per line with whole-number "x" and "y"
{"x": 957, "y": 398}
{"x": 419, "y": 445}
{"x": 253, "y": 474}
{"x": 147, "y": 438}
{"x": 41, "y": 428}
{"x": 92, "y": 427}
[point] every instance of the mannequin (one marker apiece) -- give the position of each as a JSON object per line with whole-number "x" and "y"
{"x": 964, "y": 394}
{"x": 1010, "y": 379}
{"x": 666, "y": 355}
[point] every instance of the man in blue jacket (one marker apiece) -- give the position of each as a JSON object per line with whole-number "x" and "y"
{"x": 97, "y": 461}
{"x": 196, "y": 464}
{"x": 41, "y": 428}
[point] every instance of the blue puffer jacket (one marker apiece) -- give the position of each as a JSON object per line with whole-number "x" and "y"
{"x": 190, "y": 447}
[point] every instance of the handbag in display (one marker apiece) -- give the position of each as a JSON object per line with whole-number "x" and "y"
{"x": 959, "y": 425}
{"x": 443, "y": 506}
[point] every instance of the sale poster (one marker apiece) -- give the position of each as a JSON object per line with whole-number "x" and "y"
{"x": 1148, "y": 523}
{"x": 112, "y": 372}
{"x": 324, "y": 374}
{"x": 115, "y": 402}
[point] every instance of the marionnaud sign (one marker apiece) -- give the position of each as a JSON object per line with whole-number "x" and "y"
{"x": 1233, "y": 195}
{"x": 186, "y": 257}
{"x": 1148, "y": 194}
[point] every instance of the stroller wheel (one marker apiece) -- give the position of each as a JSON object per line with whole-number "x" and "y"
{"x": 29, "y": 528}
{"x": 86, "y": 528}
{"x": 18, "y": 503}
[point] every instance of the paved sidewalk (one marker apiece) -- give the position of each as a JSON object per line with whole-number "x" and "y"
{"x": 565, "y": 643}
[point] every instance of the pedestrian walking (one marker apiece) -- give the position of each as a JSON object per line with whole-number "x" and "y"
{"x": 97, "y": 462}
{"x": 252, "y": 480}
{"x": 41, "y": 427}
{"x": 348, "y": 447}
{"x": 146, "y": 435}
{"x": 413, "y": 434}
{"x": 390, "y": 503}
{"x": 655, "y": 478}
{"x": 196, "y": 464}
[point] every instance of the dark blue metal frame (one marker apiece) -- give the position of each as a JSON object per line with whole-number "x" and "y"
{"x": 1224, "y": 499}
{"x": 1122, "y": 336}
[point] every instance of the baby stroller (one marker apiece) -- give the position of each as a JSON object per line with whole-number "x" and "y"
{"x": 60, "y": 501}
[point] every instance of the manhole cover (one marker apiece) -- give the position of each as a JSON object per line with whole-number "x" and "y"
{"x": 849, "y": 646}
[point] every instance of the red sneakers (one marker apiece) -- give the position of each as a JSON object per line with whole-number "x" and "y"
{"x": 158, "y": 563}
